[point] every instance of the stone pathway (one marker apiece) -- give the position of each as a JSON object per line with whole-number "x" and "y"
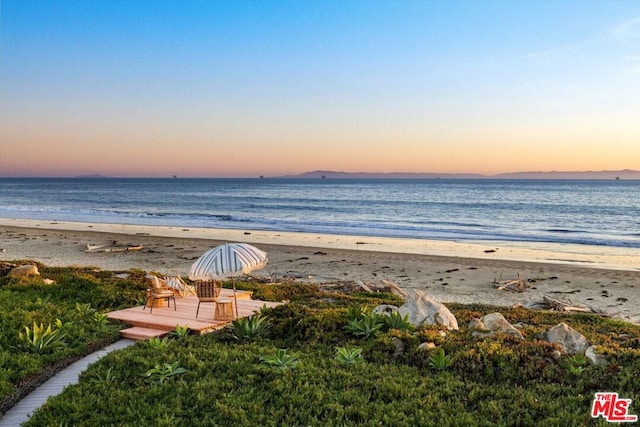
{"x": 23, "y": 410}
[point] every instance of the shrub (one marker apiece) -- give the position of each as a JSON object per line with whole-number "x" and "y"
{"x": 395, "y": 320}
{"x": 281, "y": 292}
{"x": 84, "y": 309}
{"x": 264, "y": 310}
{"x": 180, "y": 332}
{"x": 248, "y": 329}
{"x": 41, "y": 339}
{"x": 106, "y": 378}
{"x": 367, "y": 326}
{"x": 356, "y": 312}
{"x": 157, "y": 342}
{"x": 576, "y": 364}
{"x": 440, "y": 360}
{"x": 101, "y": 319}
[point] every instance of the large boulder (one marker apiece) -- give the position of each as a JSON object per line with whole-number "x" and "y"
{"x": 570, "y": 340}
{"x": 24, "y": 271}
{"x": 421, "y": 309}
{"x": 492, "y": 324}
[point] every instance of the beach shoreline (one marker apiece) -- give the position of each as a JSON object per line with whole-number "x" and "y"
{"x": 604, "y": 278}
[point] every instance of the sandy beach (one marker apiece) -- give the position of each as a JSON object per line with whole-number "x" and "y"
{"x": 604, "y": 278}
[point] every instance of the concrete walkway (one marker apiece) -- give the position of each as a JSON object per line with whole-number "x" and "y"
{"x": 23, "y": 410}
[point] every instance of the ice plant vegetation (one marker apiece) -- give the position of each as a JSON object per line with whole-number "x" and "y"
{"x": 498, "y": 380}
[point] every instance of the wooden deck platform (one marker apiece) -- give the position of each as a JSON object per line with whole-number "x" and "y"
{"x": 164, "y": 319}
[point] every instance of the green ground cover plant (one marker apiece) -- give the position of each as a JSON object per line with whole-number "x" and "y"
{"x": 44, "y": 327}
{"x": 163, "y": 372}
{"x": 464, "y": 381}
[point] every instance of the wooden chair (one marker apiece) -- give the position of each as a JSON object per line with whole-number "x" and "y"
{"x": 179, "y": 286}
{"x": 159, "y": 290}
{"x": 207, "y": 291}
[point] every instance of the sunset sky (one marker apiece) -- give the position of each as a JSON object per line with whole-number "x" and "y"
{"x": 247, "y": 88}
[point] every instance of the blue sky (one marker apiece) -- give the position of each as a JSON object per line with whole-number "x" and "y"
{"x": 240, "y": 88}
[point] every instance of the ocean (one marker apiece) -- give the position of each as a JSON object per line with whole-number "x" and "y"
{"x": 604, "y": 213}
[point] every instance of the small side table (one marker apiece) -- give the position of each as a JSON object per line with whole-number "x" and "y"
{"x": 160, "y": 302}
{"x": 224, "y": 310}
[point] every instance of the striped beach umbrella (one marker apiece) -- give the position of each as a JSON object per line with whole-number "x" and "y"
{"x": 228, "y": 260}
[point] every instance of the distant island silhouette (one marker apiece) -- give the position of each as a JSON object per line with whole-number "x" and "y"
{"x": 604, "y": 175}
{"x": 618, "y": 175}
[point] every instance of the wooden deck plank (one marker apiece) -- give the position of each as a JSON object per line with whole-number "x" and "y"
{"x": 139, "y": 333}
{"x": 166, "y": 318}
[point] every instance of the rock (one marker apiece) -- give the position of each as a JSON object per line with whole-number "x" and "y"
{"x": 492, "y": 324}
{"x": 394, "y": 288}
{"x": 24, "y": 271}
{"x": 48, "y": 282}
{"x": 426, "y": 346}
{"x": 477, "y": 324}
{"x": 556, "y": 354}
{"x": 421, "y": 309}
{"x": 571, "y": 341}
{"x": 595, "y": 358}
{"x": 385, "y": 309}
{"x": 399, "y": 348}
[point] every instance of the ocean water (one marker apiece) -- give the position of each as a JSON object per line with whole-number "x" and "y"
{"x": 584, "y": 212}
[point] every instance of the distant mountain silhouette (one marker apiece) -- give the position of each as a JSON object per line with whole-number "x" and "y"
{"x": 604, "y": 175}
{"x": 619, "y": 174}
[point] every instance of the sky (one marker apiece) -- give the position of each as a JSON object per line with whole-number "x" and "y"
{"x": 246, "y": 88}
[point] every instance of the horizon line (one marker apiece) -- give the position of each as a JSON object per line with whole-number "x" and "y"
{"x": 323, "y": 174}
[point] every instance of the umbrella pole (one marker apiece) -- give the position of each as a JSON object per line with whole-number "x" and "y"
{"x": 235, "y": 298}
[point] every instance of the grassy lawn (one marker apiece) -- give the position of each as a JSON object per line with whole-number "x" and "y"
{"x": 313, "y": 362}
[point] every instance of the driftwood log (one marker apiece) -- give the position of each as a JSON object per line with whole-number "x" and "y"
{"x": 518, "y": 285}
{"x": 112, "y": 248}
{"x": 563, "y": 306}
{"x": 549, "y": 303}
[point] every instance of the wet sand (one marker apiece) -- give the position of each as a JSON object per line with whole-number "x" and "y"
{"x": 607, "y": 279}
